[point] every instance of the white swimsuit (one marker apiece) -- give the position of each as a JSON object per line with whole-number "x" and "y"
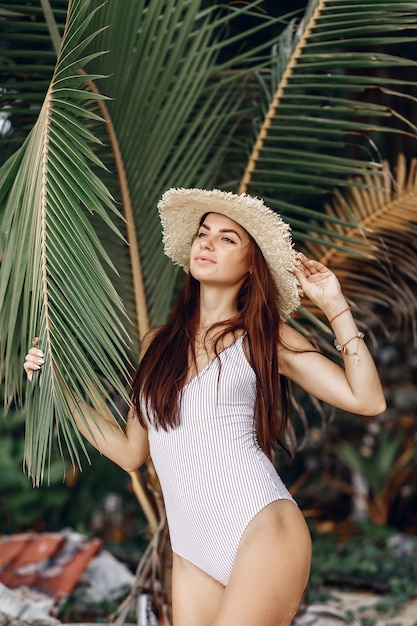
{"x": 214, "y": 476}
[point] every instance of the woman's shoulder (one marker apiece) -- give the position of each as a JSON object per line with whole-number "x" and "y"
{"x": 292, "y": 340}
{"x": 293, "y": 348}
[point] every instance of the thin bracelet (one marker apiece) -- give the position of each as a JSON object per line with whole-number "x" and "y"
{"x": 342, "y": 347}
{"x": 337, "y": 314}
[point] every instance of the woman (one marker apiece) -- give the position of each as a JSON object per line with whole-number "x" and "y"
{"x": 210, "y": 402}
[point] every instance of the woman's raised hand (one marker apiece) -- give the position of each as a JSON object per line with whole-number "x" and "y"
{"x": 317, "y": 281}
{"x": 34, "y": 360}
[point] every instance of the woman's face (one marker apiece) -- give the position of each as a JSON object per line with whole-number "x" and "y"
{"x": 220, "y": 252}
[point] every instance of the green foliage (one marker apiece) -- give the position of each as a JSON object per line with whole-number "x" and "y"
{"x": 69, "y": 502}
{"x": 385, "y": 469}
{"x": 367, "y": 560}
{"x": 91, "y": 613}
{"x": 59, "y": 149}
{"x": 340, "y": 82}
{"x": 377, "y": 467}
{"x": 21, "y": 506}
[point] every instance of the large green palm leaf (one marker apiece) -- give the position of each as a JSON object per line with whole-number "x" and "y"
{"x": 53, "y": 282}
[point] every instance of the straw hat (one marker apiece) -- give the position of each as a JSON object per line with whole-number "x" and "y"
{"x": 180, "y": 211}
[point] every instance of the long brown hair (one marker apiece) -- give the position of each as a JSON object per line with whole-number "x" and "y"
{"x": 162, "y": 372}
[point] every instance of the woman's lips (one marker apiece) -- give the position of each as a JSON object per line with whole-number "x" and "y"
{"x": 202, "y": 258}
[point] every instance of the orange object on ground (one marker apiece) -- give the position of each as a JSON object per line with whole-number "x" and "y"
{"x": 52, "y": 563}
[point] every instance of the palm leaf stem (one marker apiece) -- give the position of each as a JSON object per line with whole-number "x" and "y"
{"x": 138, "y": 286}
{"x": 131, "y": 234}
{"x": 257, "y": 147}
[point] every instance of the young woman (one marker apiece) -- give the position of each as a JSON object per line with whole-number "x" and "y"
{"x": 210, "y": 402}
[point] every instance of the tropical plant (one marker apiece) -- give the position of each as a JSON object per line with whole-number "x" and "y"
{"x": 175, "y": 102}
{"x": 385, "y": 470}
{"x": 376, "y": 558}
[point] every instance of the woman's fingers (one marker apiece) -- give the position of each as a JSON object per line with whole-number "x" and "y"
{"x": 303, "y": 264}
{"x": 317, "y": 281}
{"x": 302, "y": 268}
{"x": 34, "y": 361}
{"x": 311, "y": 265}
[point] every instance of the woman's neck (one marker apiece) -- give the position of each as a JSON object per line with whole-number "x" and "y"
{"x": 216, "y": 306}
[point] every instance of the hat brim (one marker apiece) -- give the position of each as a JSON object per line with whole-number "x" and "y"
{"x": 180, "y": 211}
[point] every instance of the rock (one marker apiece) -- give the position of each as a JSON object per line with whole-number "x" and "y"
{"x": 104, "y": 579}
{"x": 24, "y": 605}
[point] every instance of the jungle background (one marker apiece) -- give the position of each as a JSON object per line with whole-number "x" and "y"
{"x": 310, "y": 105}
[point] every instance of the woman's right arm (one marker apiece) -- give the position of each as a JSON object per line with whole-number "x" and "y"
{"x": 127, "y": 447}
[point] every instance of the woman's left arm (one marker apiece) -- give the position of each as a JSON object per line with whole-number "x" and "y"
{"x": 356, "y": 387}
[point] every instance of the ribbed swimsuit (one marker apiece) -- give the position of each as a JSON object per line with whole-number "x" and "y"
{"x": 214, "y": 476}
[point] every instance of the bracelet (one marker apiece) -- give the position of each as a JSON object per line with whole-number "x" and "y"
{"x": 341, "y": 313}
{"x": 342, "y": 347}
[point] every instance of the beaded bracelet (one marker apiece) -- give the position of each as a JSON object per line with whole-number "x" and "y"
{"x": 342, "y": 347}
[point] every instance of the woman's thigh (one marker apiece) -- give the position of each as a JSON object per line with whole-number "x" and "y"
{"x": 196, "y": 596}
{"x": 271, "y": 570}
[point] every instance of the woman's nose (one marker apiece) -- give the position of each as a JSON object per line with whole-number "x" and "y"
{"x": 206, "y": 243}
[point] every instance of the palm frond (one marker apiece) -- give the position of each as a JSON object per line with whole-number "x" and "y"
{"x": 386, "y": 216}
{"x": 53, "y": 282}
{"x": 336, "y": 88}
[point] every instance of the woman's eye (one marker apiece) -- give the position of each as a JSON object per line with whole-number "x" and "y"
{"x": 228, "y": 240}
{"x": 201, "y": 234}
